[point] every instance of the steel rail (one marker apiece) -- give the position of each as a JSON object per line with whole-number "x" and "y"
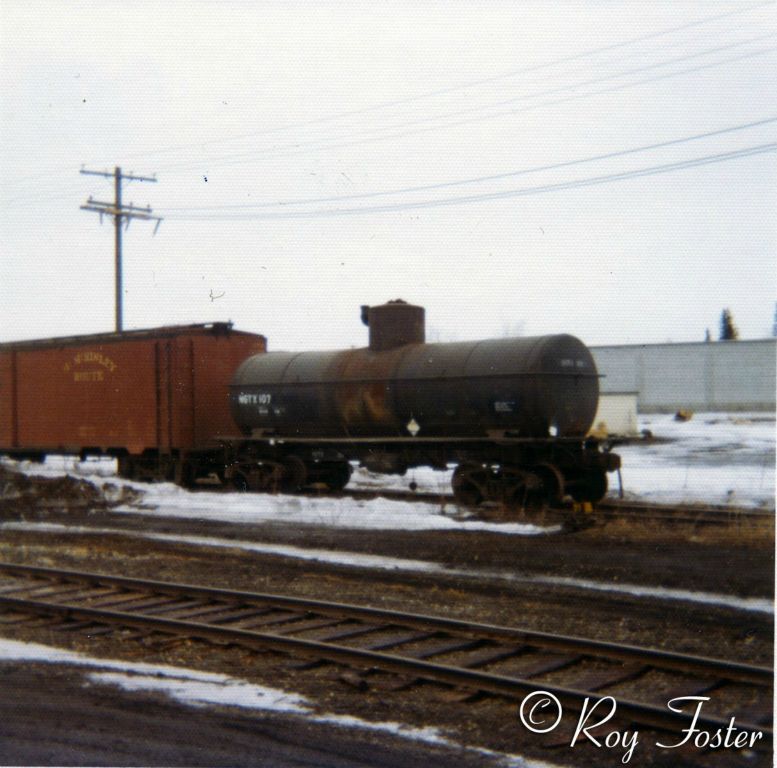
{"x": 733, "y": 671}
{"x": 500, "y": 685}
{"x": 512, "y": 687}
{"x": 609, "y": 508}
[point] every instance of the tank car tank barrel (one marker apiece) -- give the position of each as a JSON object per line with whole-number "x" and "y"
{"x": 531, "y": 387}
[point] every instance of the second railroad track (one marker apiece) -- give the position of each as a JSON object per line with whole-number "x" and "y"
{"x": 471, "y": 658}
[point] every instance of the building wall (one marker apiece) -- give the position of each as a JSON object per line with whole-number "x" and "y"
{"x": 616, "y": 415}
{"x": 712, "y": 376}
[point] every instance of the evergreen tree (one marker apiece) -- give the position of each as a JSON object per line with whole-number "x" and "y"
{"x": 728, "y": 331}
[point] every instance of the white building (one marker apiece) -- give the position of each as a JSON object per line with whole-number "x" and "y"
{"x": 697, "y": 376}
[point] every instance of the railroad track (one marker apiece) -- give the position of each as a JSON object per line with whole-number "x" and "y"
{"x": 687, "y": 513}
{"x": 470, "y": 658}
{"x": 608, "y": 509}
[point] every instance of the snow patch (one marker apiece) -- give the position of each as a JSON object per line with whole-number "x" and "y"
{"x": 374, "y": 514}
{"x": 715, "y": 458}
{"x": 333, "y": 556}
{"x": 197, "y": 692}
{"x": 194, "y": 688}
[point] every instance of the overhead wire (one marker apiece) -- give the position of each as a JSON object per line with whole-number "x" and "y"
{"x": 305, "y": 147}
{"x": 594, "y": 80}
{"x": 450, "y": 89}
{"x": 295, "y": 149}
{"x": 472, "y": 83}
{"x": 482, "y": 197}
{"x": 478, "y": 179}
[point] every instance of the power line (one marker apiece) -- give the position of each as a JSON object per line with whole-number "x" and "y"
{"x": 247, "y": 157}
{"x": 121, "y": 213}
{"x": 461, "y": 200}
{"x": 479, "y": 179}
{"x": 592, "y": 81}
{"x": 297, "y": 148}
{"x": 472, "y": 83}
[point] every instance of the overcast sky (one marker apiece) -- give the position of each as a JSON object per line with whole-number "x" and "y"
{"x": 313, "y": 157}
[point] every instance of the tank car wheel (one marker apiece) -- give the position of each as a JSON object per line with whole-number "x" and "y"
{"x": 467, "y": 484}
{"x": 533, "y": 495}
{"x": 239, "y": 482}
{"x": 552, "y": 482}
{"x": 266, "y": 477}
{"x": 337, "y": 475}
{"x": 295, "y": 474}
{"x": 522, "y": 488}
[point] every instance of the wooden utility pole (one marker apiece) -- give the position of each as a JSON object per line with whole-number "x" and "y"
{"x": 121, "y": 214}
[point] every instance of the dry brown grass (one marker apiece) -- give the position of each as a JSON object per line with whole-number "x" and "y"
{"x": 742, "y": 530}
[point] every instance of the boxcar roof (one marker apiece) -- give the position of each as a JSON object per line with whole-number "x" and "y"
{"x": 163, "y": 332}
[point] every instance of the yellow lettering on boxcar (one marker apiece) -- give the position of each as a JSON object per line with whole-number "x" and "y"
{"x": 88, "y": 376}
{"x": 91, "y": 357}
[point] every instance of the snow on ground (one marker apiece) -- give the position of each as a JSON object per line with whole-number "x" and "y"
{"x": 377, "y": 514}
{"x": 195, "y": 688}
{"x": 358, "y": 560}
{"x": 171, "y": 500}
{"x": 713, "y": 459}
{"x": 331, "y": 556}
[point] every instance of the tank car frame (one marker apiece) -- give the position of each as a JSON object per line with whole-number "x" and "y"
{"x": 527, "y": 473}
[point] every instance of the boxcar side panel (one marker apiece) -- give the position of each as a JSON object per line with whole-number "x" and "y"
{"x": 8, "y": 434}
{"x": 92, "y": 395}
{"x": 163, "y": 390}
{"x": 216, "y": 359}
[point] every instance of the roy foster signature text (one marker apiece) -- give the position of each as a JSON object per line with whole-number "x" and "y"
{"x": 541, "y": 712}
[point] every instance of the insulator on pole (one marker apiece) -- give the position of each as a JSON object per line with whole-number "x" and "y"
{"x": 119, "y": 212}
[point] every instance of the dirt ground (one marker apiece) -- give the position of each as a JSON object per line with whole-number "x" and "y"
{"x": 739, "y": 562}
{"x": 78, "y": 723}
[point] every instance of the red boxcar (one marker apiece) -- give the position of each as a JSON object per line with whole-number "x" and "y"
{"x": 154, "y": 398}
